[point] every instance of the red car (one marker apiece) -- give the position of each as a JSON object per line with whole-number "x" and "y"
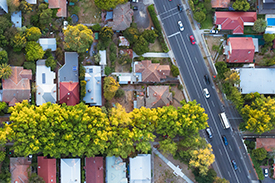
{"x": 192, "y": 39}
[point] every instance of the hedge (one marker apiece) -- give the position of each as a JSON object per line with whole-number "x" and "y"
{"x": 152, "y": 12}
{"x": 257, "y": 167}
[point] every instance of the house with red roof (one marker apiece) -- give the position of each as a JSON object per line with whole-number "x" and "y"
{"x": 46, "y": 169}
{"x": 68, "y": 80}
{"x": 146, "y": 71}
{"x": 234, "y": 21}
{"x": 19, "y": 169}
{"x": 239, "y": 50}
{"x": 94, "y": 170}
{"x": 17, "y": 87}
{"x": 61, "y": 5}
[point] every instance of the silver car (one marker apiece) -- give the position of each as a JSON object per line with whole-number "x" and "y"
{"x": 180, "y": 25}
{"x": 206, "y": 93}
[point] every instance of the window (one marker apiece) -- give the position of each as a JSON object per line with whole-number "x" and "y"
{"x": 43, "y": 78}
{"x": 91, "y": 70}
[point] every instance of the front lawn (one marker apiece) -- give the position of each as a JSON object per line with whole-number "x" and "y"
{"x": 208, "y": 23}
{"x": 249, "y": 30}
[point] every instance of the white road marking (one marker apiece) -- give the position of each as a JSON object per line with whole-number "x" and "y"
{"x": 174, "y": 34}
{"x": 164, "y": 7}
{"x": 196, "y": 59}
{"x": 169, "y": 16}
{"x": 213, "y": 103}
{"x": 220, "y": 151}
{"x": 229, "y": 173}
{"x": 167, "y": 11}
{"x": 230, "y": 148}
{"x": 239, "y": 170}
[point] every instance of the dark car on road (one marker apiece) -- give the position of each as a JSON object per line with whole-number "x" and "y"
{"x": 179, "y": 7}
{"x": 135, "y": 8}
{"x": 234, "y": 164}
{"x": 206, "y": 78}
{"x": 225, "y": 140}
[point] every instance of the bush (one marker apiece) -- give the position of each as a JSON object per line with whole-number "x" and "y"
{"x": 215, "y": 48}
{"x": 96, "y": 27}
{"x": 113, "y": 48}
{"x": 257, "y": 167}
{"x": 107, "y": 71}
{"x": 180, "y": 87}
{"x": 119, "y": 93}
{"x": 82, "y": 89}
{"x": 259, "y": 154}
{"x": 199, "y": 16}
{"x": 30, "y": 65}
{"x": 155, "y": 61}
{"x": 112, "y": 57}
{"x": 191, "y": 4}
{"x": 175, "y": 70}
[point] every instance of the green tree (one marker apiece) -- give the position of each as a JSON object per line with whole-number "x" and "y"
{"x": 5, "y": 71}
{"x": 51, "y": 62}
{"x": 269, "y": 37}
{"x": 82, "y": 89}
{"x": 96, "y": 27}
{"x": 131, "y": 34}
{"x": 260, "y": 25}
{"x": 3, "y": 109}
{"x": 97, "y": 58}
{"x": 108, "y": 4}
{"x": 34, "y": 178}
{"x": 10, "y": 33}
{"x": 119, "y": 93}
{"x": 45, "y": 17}
{"x": 241, "y": 5}
{"x": 141, "y": 46}
{"x": 30, "y": 65}
{"x": 149, "y": 35}
{"x": 33, "y": 34}
{"x": 208, "y": 178}
{"x": 110, "y": 87}
{"x": 259, "y": 154}
{"x": 175, "y": 71}
{"x": 5, "y": 23}
{"x": 221, "y": 180}
{"x": 78, "y": 38}
{"x": 105, "y": 35}
{"x": 221, "y": 69}
{"x": 34, "y": 51}
{"x": 18, "y": 42}
{"x": 81, "y": 72}
{"x": 199, "y": 16}
{"x": 3, "y": 56}
{"x": 232, "y": 77}
{"x": 25, "y": 7}
{"x": 107, "y": 70}
{"x": 168, "y": 146}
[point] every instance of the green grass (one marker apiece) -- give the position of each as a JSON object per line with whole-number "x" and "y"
{"x": 249, "y": 30}
{"x": 208, "y": 23}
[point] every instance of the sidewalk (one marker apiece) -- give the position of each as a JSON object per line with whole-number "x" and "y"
{"x": 153, "y": 54}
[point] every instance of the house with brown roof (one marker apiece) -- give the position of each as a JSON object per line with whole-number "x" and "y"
{"x": 239, "y": 50}
{"x": 267, "y": 143}
{"x": 46, "y": 169}
{"x": 146, "y": 71}
{"x": 122, "y": 17}
{"x": 94, "y": 170}
{"x": 61, "y": 5}
{"x": 19, "y": 169}
{"x": 234, "y": 21}
{"x": 156, "y": 96}
{"x": 220, "y": 3}
{"x": 68, "y": 80}
{"x": 17, "y": 87}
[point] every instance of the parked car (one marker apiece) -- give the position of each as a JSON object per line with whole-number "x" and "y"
{"x": 192, "y": 39}
{"x": 206, "y": 78}
{"x": 134, "y": 1}
{"x": 135, "y": 8}
{"x": 266, "y": 172}
{"x": 214, "y": 31}
{"x": 180, "y": 7}
{"x": 180, "y": 25}
{"x": 206, "y": 93}
{"x": 209, "y": 133}
{"x": 225, "y": 140}
{"x": 234, "y": 164}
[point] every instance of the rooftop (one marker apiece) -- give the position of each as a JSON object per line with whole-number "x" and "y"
{"x": 257, "y": 80}
{"x": 48, "y": 43}
{"x": 94, "y": 170}
{"x": 140, "y": 168}
{"x": 69, "y": 93}
{"x": 31, "y": 1}
{"x": 115, "y": 170}
{"x": 46, "y": 169}
{"x": 61, "y": 4}
{"x": 220, "y": 3}
{"x": 102, "y": 57}
{"x": 4, "y": 5}
{"x": 46, "y": 88}
{"x": 122, "y": 17}
{"x": 16, "y": 18}
{"x": 19, "y": 168}
{"x": 123, "y": 41}
{"x": 69, "y": 71}
{"x": 267, "y": 143}
{"x": 93, "y": 87}
{"x": 70, "y": 171}
{"x": 158, "y": 96}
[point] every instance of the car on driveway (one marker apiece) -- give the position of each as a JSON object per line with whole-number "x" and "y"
{"x": 209, "y": 133}
{"x": 135, "y": 8}
{"x": 225, "y": 140}
{"x": 179, "y": 7}
{"x": 134, "y": 1}
{"x": 214, "y": 31}
{"x": 180, "y": 25}
{"x": 192, "y": 39}
{"x": 266, "y": 172}
{"x": 234, "y": 164}
{"x": 206, "y": 93}
{"x": 206, "y": 78}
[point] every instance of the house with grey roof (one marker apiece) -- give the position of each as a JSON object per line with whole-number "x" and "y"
{"x": 94, "y": 86}
{"x": 140, "y": 168}
{"x": 31, "y": 1}
{"x": 115, "y": 170}
{"x": 48, "y": 43}
{"x": 3, "y": 7}
{"x": 16, "y": 18}
{"x": 45, "y": 86}
{"x": 69, "y": 71}
{"x": 70, "y": 170}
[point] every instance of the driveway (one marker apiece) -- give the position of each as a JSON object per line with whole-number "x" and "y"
{"x": 141, "y": 16}
{"x": 267, "y": 179}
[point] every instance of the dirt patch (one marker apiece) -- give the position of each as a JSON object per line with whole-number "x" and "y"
{"x": 259, "y": 58}
{"x": 163, "y": 173}
{"x": 155, "y": 47}
{"x": 211, "y": 40}
{"x": 89, "y": 13}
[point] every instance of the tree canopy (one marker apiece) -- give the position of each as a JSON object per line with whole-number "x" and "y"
{"x": 34, "y": 51}
{"x": 259, "y": 153}
{"x": 3, "y": 56}
{"x": 259, "y": 25}
{"x": 106, "y": 34}
{"x": 5, "y": 71}
{"x": 110, "y": 87}
{"x": 141, "y": 46}
{"x": 241, "y": 5}
{"x": 33, "y": 34}
{"x": 108, "y": 4}
{"x": 18, "y": 42}
{"x": 78, "y": 38}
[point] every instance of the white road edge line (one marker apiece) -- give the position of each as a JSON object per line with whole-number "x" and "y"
{"x": 220, "y": 151}
{"x": 196, "y": 60}
{"x": 174, "y": 34}
{"x": 213, "y": 103}
{"x": 164, "y": 8}
{"x": 229, "y": 173}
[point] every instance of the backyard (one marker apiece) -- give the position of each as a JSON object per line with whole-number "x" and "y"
{"x": 89, "y": 13}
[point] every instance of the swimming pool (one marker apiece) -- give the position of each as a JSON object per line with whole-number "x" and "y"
{"x": 270, "y": 21}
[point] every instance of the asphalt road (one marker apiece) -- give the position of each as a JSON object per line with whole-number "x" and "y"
{"x": 193, "y": 69}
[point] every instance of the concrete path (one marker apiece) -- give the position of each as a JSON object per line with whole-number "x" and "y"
{"x": 177, "y": 170}
{"x": 153, "y": 54}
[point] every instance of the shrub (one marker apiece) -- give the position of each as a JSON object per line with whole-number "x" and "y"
{"x": 180, "y": 87}
{"x": 199, "y": 16}
{"x": 191, "y": 4}
{"x": 258, "y": 169}
{"x": 215, "y": 48}
{"x": 82, "y": 89}
{"x": 30, "y": 65}
{"x": 155, "y": 61}
{"x": 96, "y": 27}
{"x": 107, "y": 71}
{"x": 112, "y": 57}
{"x": 175, "y": 70}
{"x": 119, "y": 93}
